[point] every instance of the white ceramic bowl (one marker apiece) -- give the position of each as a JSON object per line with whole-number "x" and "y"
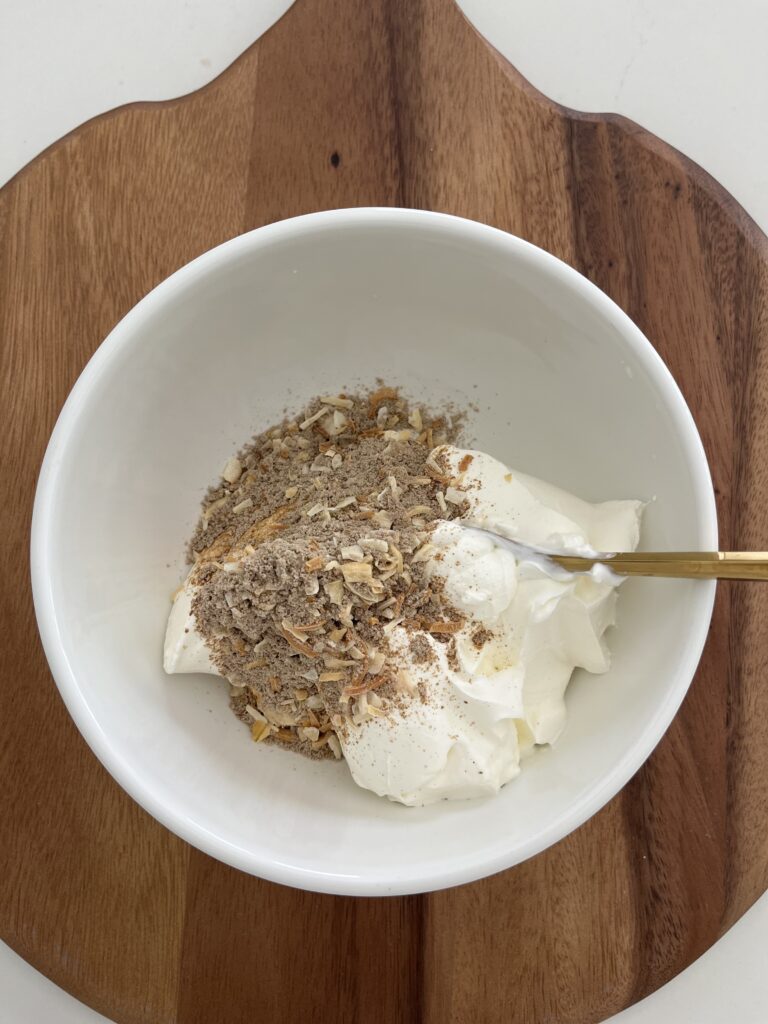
{"x": 566, "y": 388}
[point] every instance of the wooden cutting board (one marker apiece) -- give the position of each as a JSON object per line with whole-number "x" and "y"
{"x": 386, "y": 102}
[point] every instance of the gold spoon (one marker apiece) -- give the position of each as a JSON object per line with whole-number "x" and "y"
{"x": 678, "y": 565}
{"x": 695, "y": 565}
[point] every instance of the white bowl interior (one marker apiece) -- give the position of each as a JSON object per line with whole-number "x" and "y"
{"x": 564, "y": 388}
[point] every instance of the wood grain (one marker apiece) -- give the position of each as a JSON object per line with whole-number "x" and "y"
{"x": 403, "y": 105}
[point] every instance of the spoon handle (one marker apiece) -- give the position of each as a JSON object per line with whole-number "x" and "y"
{"x": 696, "y": 565}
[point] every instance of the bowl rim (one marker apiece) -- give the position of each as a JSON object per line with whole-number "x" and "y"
{"x": 400, "y": 881}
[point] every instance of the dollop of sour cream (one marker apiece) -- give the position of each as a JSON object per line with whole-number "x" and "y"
{"x": 477, "y": 712}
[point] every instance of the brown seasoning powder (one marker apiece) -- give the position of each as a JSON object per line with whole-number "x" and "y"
{"x": 309, "y": 550}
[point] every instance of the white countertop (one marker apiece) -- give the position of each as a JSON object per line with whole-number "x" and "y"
{"x": 693, "y": 72}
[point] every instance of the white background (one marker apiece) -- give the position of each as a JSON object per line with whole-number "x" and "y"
{"x": 695, "y": 72}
